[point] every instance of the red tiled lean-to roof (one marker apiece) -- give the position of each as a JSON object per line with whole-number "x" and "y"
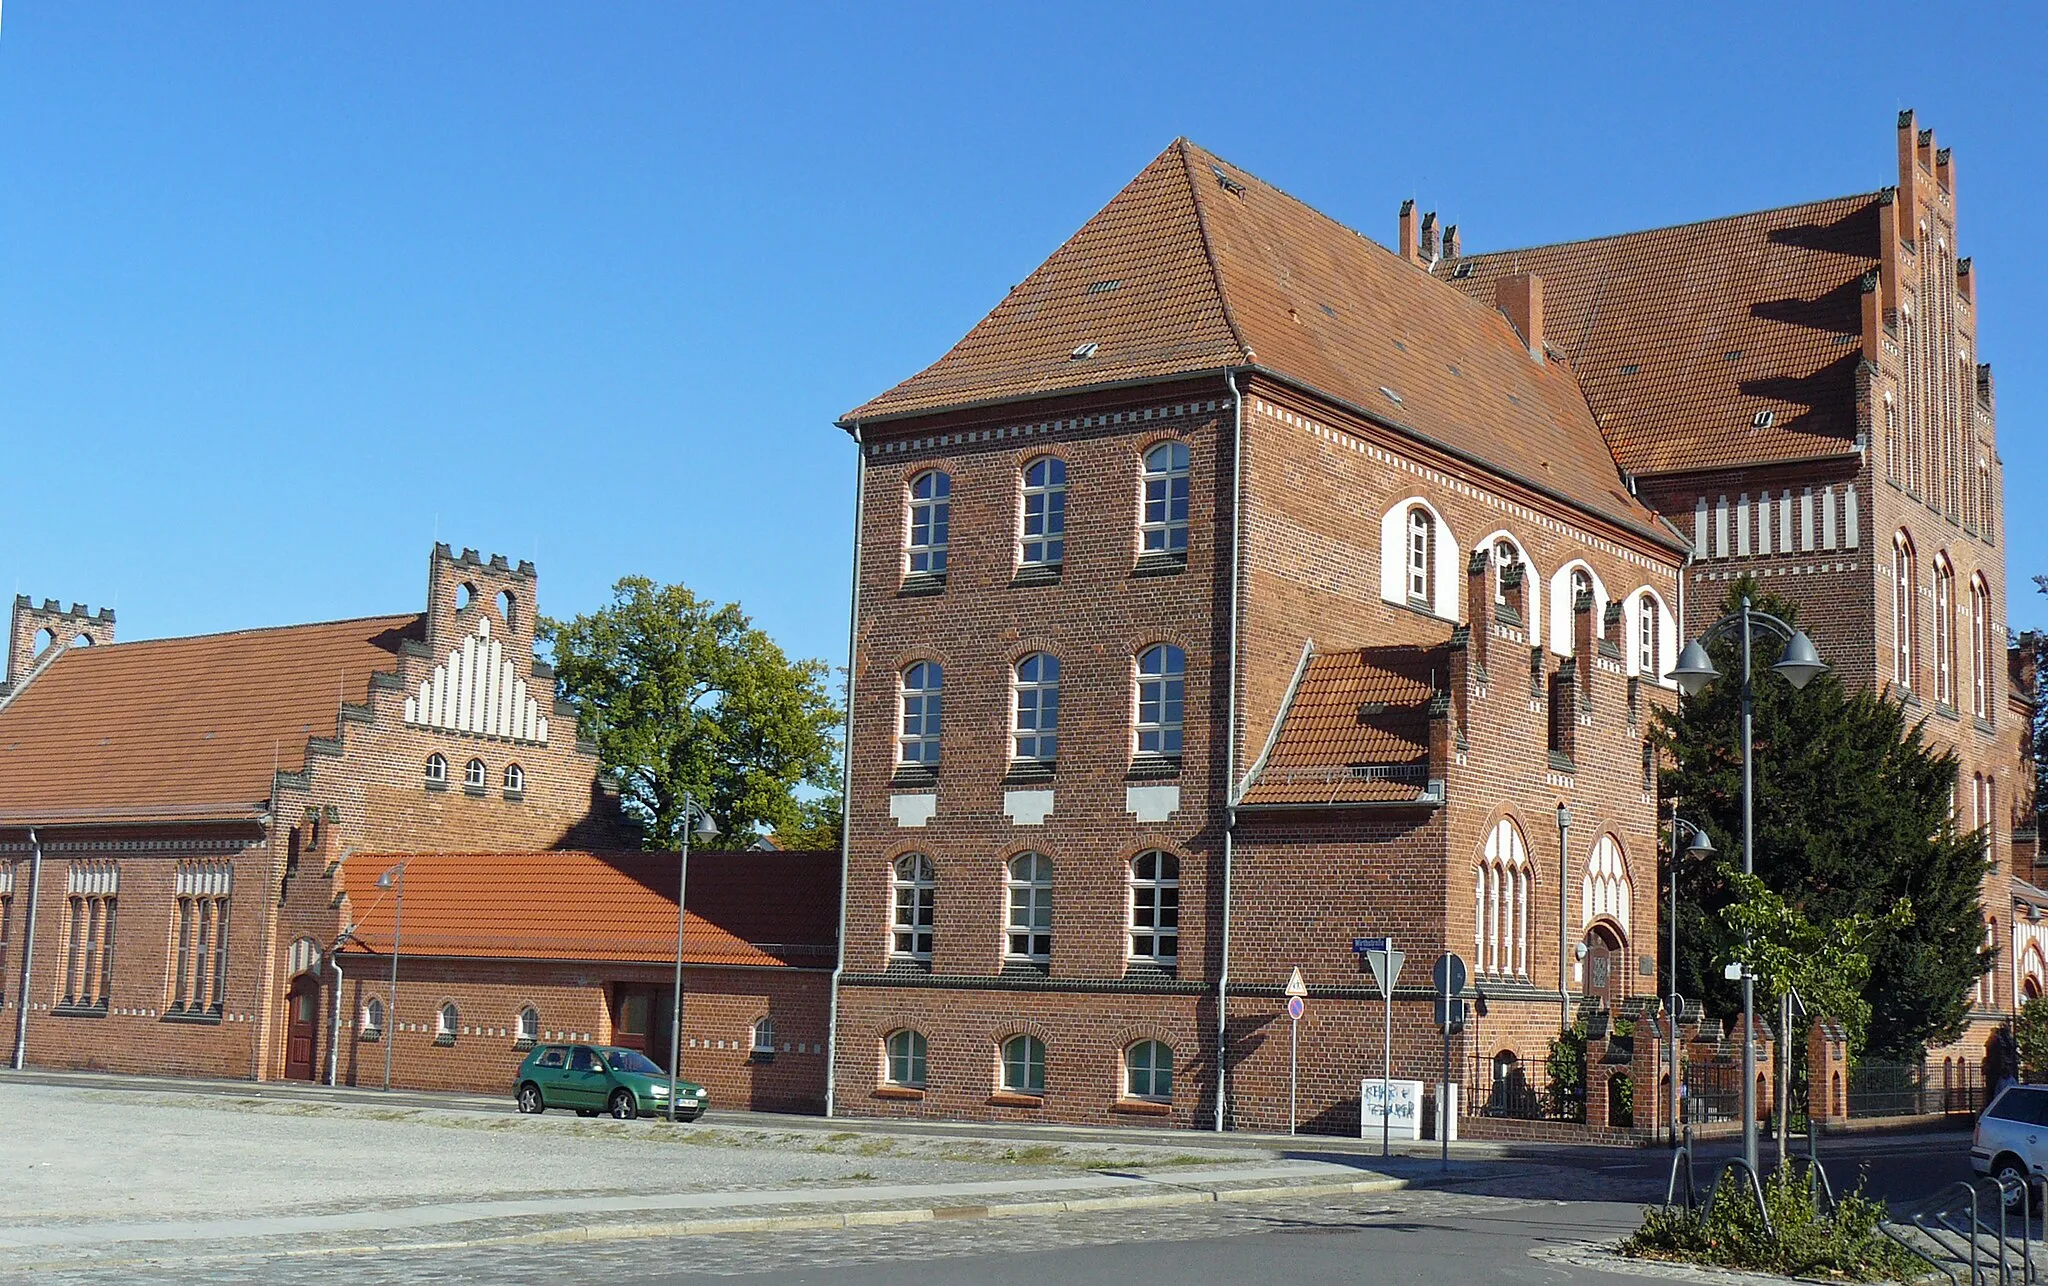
{"x": 749, "y": 908}
{"x": 1682, "y": 336}
{"x": 1196, "y": 266}
{"x": 187, "y": 728}
{"x": 1355, "y": 731}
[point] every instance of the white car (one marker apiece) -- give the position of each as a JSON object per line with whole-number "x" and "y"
{"x": 2012, "y": 1138}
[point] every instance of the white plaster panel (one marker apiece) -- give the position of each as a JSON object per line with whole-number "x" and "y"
{"x": 914, "y": 810}
{"x": 1027, "y": 807}
{"x": 1151, "y": 803}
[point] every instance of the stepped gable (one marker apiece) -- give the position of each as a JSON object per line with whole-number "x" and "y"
{"x": 1682, "y": 337}
{"x": 603, "y": 906}
{"x": 1353, "y": 717}
{"x": 1197, "y": 266}
{"x": 186, "y": 728}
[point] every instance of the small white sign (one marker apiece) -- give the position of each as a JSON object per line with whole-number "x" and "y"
{"x": 1400, "y": 1102}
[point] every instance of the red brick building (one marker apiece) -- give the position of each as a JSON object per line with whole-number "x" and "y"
{"x": 1237, "y": 588}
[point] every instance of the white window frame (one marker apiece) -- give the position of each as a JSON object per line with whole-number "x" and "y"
{"x": 1029, "y": 1065}
{"x": 373, "y": 1018}
{"x": 928, "y": 523}
{"x": 1161, "y": 694}
{"x": 1980, "y": 652}
{"x": 920, "y": 713}
{"x": 1153, "y": 913}
{"x": 1503, "y": 554}
{"x": 475, "y": 773}
{"x": 1608, "y": 889}
{"x": 447, "y": 1018}
{"x": 763, "y": 1026}
{"x": 1944, "y": 631}
{"x": 1903, "y": 613}
{"x": 524, "y": 1030}
{"x": 1500, "y": 904}
{"x": 1421, "y": 563}
{"x": 913, "y": 895}
{"x": 1027, "y": 884}
{"x": 1163, "y": 499}
{"x": 437, "y": 767}
{"x": 1035, "y": 708}
{"x": 515, "y": 778}
{"x": 1042, "y": 513}
{"x": 1646, "y": 636}
{"x": 1142, "y": 1081}
{"x": 907, "y": 1067}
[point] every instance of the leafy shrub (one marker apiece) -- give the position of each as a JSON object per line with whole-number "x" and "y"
{"x": 1844, "y": 1244}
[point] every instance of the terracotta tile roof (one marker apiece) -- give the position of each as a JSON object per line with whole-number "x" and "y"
{"x": 1356, "y": 730}
{"x": 1682, "y": 336}
{"x": 183, "y": 728}
{"x": 1197, "y": 265}
{"x": 751, "y": 908}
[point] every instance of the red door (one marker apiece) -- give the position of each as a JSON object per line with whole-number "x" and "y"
{"x": 302, "y": 1028}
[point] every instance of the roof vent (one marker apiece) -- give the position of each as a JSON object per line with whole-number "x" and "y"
{"x": 1460, "y": 272}
{"x": 1101, "y": 287}
{"x": 1084, "y": 352}
{"x": 1763, "y": 419}
{"x": 1392, "y": 396}
{"x": 1227, "y": 183}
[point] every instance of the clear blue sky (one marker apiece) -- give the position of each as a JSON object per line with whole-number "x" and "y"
{"x": 287, "y": 289}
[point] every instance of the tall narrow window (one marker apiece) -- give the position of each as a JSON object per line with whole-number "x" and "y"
{"x": 931, "y": 520}
{"x": 1646, "y": 637}
{"x": 1500, "y": 904}
{"x": 1155, "y": 908}
{"x": 89, "y": 935}
{"x": 1045, "y": 513}
{"x": 528, "y": 1026}
{"x": 1504, "y": 557}
{"x": 907, "y": 1052}
{"x": 1944, "y": 632}
{"x": 923, "y": 698}
{"x": 1024, "y": 1065}
{"x": 915, "y": 886}
{"x": 373, "y": 1018}
{"x": 1981, "y": 658}
{"x": 1163, "y": 525}
{"x": 1030, "y": 889}
{"x": 1162, "y": 680}
{"x": 201, "y": 958}
{"x": 1421, "y": 557}
{"x": 1894, "y": 446}
{"x": 1903, "y": 615}
{"x": 1037, "y": 727}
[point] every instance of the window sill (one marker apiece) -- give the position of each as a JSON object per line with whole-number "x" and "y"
{"x": 78, "y": 1011}
{"x": 922, "y": 585}
{"x": 1154, "y": 767}
{"x": 1141, "y": 1107}
{"x": 1947, "y": 711}
{"x": 436, "y": 785}
{"x": 1146, "y": 968}
{"x": 1037, "y": 574}
{"x": 1985, "y": 725}
{"x": 1025, "y": 967}
{"x": 1561, "y": 762}
{"x": 901, "y": 1093}
{"x": 475, "y": 792}
{"x": 916, "y": 775}
{"x": 1159, "y": 564}
{"x": 514, "y": 796}
{"x": 761, "y": 1056}
{"x": 909, "y": 964}
{"x": 196, "y": 1017}
{"x": 523, "y": 1043}
{"x": 1031, "y": 772}
{"x": 1006, "y": 1098}
{"x": 370, "y": 1037}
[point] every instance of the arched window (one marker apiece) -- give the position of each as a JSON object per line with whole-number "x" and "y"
{"x": 373, "y": 1018}
{"x": 1421, "y": 558}
{"x": 1505, "y": 556}
{"x": 437, "y": 768}
{"x": 1024, "y": 1065}
{"x": 923, "y": 700}
{"x": 81, "y": 640}
{"x": 44, "y": 638}
{"x": 915, "y": 885}
{"x": 515, "y": 779}
{"x": 1163, "y": 522}
{"x": 931, "y": 520}
{"x": 905, "y": 1057}
{"x": 473, "y": 773}
{"x": 445, "y": 1019}
{"x": 1607, "y": 891}
{"x": 1981, "y": 657}
{"x": 1646, "y": 638}
{"x": 1044, "y": 513}
{"x": 764, "y": 1034}
{"x": 1155, "y": 908}
{"x": 1036, "y": 731}
{"x": 1893, "y": 446}
{"x": 1944, "y": 631}
{"x": 1148, "y": 1071}
{"x": 1162, "y": 672}
{"x": 527, "y": 1028}
{"x": 1030, "y": 889}
{"x": 1500, "y": 904}
{"x": 508, "y": 607}
{"x": 1904, "y": 613}
{"x": 1582, "y": 584}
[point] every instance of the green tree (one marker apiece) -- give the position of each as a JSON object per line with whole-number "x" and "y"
{"x": 682, "y": 696}
{"x": 1827, "y": 964}
{"x": 1852, "y": 817}
{"x": 2030, "y": 1039}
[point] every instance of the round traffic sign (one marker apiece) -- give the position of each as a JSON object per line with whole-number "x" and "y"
{"x": 1449, "y": 974}
{"x": 1295, "y": 1007}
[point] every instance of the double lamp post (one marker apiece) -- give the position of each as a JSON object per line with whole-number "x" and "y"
{"x": 1800, "y": 663}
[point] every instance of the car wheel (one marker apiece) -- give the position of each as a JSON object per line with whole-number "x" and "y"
{"x": 586, "y": 1111}
{"x": 623, "y": 1106}
{"x": 2010, "y": 1172}
{"x": 530, "y": 1101}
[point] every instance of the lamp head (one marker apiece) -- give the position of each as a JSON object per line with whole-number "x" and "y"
{"x": 1701, "y": 846}
{"x": 1801, "y": 662}
{"x": 1694, "y": 671}
{"x": 391, "y": 877}
{"x": 705, "y": 830}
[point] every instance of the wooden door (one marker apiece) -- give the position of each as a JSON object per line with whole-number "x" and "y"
{"x": 302, "y": 1029}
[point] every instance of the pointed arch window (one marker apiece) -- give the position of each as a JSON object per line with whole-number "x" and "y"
{"x": 1904, "y": 615}
{"x": 1421, "y": 557}
{"x": 437, "y": 768}
{"x": 1981, "y": 657}
{"x": 1505, "y": 555}
{"x": 1607, "y": 891}
{"x": 1500, "y": 936}
{"x": 1646, "y": 637}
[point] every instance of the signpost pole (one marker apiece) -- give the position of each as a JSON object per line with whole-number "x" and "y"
{"x": 1387, "y": 1075}
{"x": 1297, "y": 996}
{"x": 1385, "y": 963}
{"x": 1443, "y": 1095}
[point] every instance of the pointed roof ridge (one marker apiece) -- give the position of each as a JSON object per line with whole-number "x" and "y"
{"x": 1685, "y": 225}
{"x": 1186, "y": 146}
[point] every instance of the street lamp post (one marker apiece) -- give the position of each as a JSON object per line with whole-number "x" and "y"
{"x": 1700, "y": 847}
{"x": 1799, "y": 663}
{"x": 707, "y": 830}
{"x": 390, "y": 880}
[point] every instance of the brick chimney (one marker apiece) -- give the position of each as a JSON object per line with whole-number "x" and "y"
{"x": 1584, "y": 643}
{"x": 1888, "y": 251}
{"x": 1451, "y": 241}
{"x": 26, "y": 642}
{"x": 1479, "y": 609}
{"x": 1408, "y": 234}
{"x": 1909, "y": 170}
{"x": 1514, "y": 589}
{"x": 1428, "y": 247}
{"x": 1873, "y": 317}
{"x": 1520, "y": 298}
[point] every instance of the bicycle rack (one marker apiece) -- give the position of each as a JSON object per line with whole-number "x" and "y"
{"x": 1940, "y": 1220}
{"x": 1682, "y": 1156}
{"x": 1756, "y": 1189}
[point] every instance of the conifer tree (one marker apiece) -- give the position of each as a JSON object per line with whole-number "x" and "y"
{"x": 1854, "y": 812}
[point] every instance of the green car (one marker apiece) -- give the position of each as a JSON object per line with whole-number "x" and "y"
{"x": 601, "y": 1078}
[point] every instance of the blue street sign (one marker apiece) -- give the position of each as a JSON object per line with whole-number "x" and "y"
{"x": 1368, "y": 944}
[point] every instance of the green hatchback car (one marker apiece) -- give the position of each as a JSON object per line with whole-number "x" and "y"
{"x": 601, "y": 1078}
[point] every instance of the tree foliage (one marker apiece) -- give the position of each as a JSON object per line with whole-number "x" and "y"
{"x": 1828, "y": 964}
{"x": 1853, "y": 816}
{"x": 685, "y": 697}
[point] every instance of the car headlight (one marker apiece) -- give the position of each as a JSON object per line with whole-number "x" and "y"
{"x": 660, "y": 1091}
